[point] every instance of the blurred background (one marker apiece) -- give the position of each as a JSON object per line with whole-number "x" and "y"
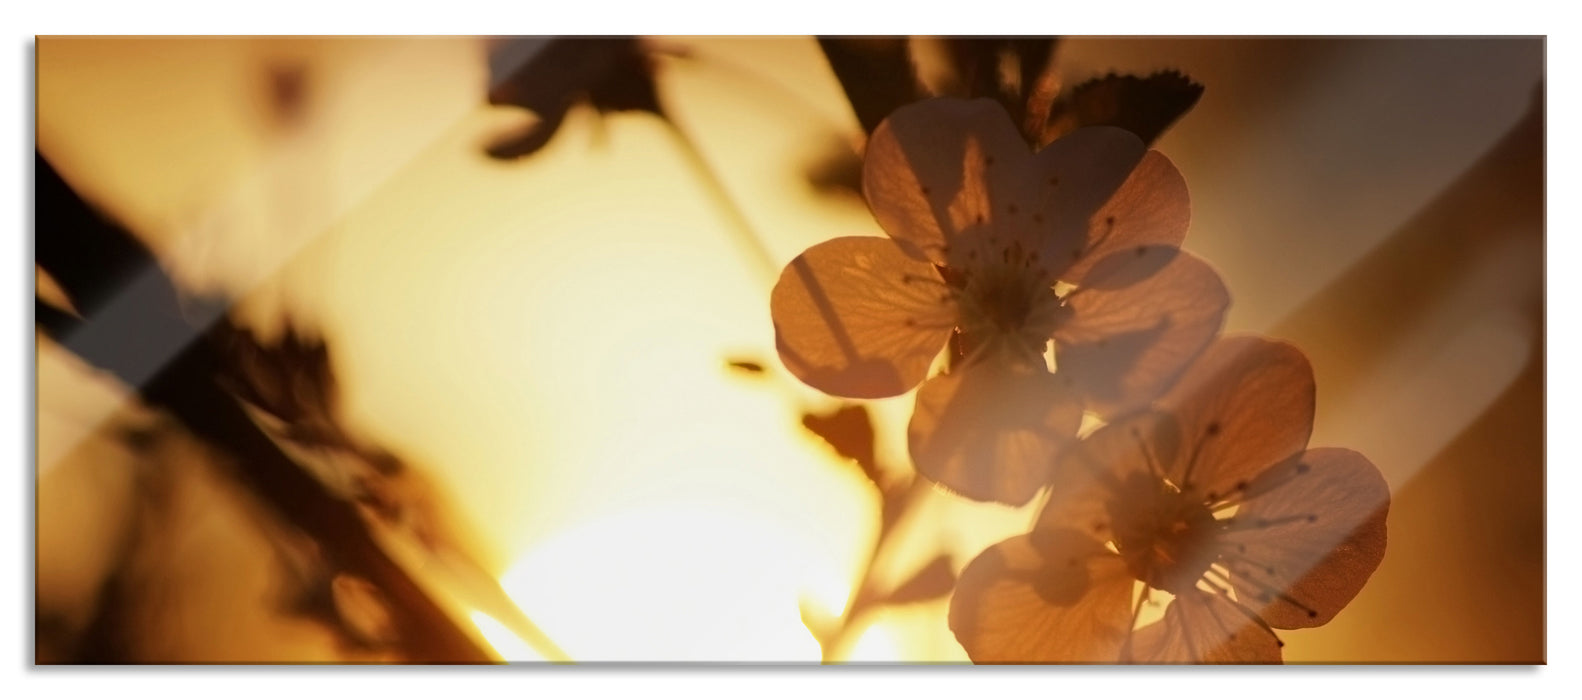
{"x": 547, "y": 340}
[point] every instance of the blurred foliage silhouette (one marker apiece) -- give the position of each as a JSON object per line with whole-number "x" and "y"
{"x": 240, "y": 445}
{"x": 611, "y": 75}
{"x": 134, "y": 327}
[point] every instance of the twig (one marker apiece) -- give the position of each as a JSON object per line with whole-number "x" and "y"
{"x": 863, "y": 598}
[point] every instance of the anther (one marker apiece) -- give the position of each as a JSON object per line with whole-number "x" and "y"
{"x": 1265, "y": 591}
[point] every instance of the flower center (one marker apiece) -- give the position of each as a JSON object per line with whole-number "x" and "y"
{"x": 1007, "y": 301}
{"x": 1166, "y": 537}
{"x": 1003, "y": 302}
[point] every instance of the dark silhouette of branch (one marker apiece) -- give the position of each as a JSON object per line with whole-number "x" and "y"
{"x": 876, "y": 75}
{"x": 1145, "y": 106}
{"x": 55, "y": 322}
{"x": 613, "y": 74}
{"x": 135, "y": 327}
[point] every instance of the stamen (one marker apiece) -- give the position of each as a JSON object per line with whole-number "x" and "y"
{"x": 1240, "y": 524}
{"x": 1153, "y": 467}
{"x": 1230, "y": 635}
{"x": 1137, "y": 610}
{"x": 1219, "y": 502}
{"x": 1224, "y": 592}
{"x": 1240, "y": 556}
{"x": 1197, "y": 449}
{"x": 1266, "y": 592}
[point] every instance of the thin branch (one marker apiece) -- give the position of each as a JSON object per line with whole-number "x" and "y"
{"x": 865, "y": 597}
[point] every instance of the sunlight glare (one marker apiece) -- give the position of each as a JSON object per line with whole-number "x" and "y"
{"x": 509, "y": 646}
{"x": 727, "y": 592}
{"x": 876, "y": 645}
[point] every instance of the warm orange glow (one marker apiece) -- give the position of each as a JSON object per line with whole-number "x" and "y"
{"x": 877, "y": 645}
{"x": 548, "y": 338}
{"x": 509, "y": 646}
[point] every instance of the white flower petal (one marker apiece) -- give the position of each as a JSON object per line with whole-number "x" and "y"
{"x": 1126, "y": 342}
{"x": 1049, "y": 597}
{"x": 856, "y": 317}
{"x": 1244, "y": 404}
{"x": 931, "y": 168}
{"x": 1310, "y": 534}
{"x": 990, "y": 432}
{"x": 1205, "y": 628}
{"x": 1151, "y": 208}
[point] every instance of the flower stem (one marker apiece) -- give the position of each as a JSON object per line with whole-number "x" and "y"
{"x": 894, "y": 507}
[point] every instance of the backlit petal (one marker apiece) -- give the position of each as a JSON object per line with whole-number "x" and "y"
{"x": 1144, "y": 316}
{"x": 856, "y": 317}
{"x": 1312, "y": 529}
{"x": 991, "y": 432}
{"x": 1205, "y": 628}
{"x": 1244, "y": 404}
{"x": 927, "y": 168}
{"x": 1150, "y": 208}
{"x": 1048, "y": 597}
{"x": 1077, "y": 174}
{"x": 1089, "y": 475}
